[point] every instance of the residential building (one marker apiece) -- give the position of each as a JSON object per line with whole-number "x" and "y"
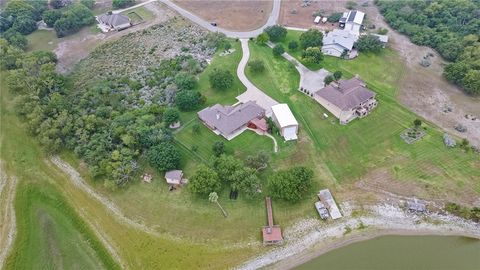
{"x": 351, "y": 21}
{"x": 286, "y": 122}
{"x": 338, "y": 43}
{"x": 108, "y": 22}
{"x": 230, "y": 121}
{"x": 347, "y": 99}
{"x": 174, "y": 177}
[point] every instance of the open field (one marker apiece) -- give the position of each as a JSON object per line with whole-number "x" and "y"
{"x": 42, "y": 40}
{"x": 230, "y": 14}
{"x": 373, "y": 143}
{"x": 303, "y": 16}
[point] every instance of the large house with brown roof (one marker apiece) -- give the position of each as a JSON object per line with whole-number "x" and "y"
{"x": 347, "y": 99}
{"x": 231, "y": 121}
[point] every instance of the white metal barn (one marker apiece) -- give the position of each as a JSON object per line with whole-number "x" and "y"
{"x": 285, "y": 120}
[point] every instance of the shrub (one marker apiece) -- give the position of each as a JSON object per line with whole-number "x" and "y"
{"x": 278, "y": 50}
{"x": 276, "y": 32}
{"x": 170, "y": 116}
{"x": 328, "y": 79}
{"x": 337, "y": 75}
{"x": 256, "y": 66}
{"x": 335, "y": 17}
{"x": 312, "y": 55}
{"x": 292, "y": 45}
{"x": 122, "y": 3}
{"x": 218, "y": 148}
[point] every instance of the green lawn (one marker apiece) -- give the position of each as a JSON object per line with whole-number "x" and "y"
{"x": 42, "y": 40}
{"x": 293, "y": 35}
{"x": 139, "y": 14}
{"x": 352, "y": 151}
{"x": 51, "y": 236}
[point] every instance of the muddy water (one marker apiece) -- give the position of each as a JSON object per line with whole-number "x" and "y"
{"x": 402, "y": 252}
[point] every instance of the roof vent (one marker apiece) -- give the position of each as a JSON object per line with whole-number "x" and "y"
{"x": 218, "y": 116}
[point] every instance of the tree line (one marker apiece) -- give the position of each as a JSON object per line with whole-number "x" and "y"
{"x": 20, "y": 17}
{"x": 450, "y": 27}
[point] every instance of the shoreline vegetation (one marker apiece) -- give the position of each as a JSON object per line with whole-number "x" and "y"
{"x": 311, "y": 238}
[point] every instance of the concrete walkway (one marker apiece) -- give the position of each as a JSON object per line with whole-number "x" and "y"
{"x": 309, "y": 79}
{"x": 252, "y": 93}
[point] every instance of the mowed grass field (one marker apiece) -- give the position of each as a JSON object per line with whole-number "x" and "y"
{"x": 42, "y": 40}
{"x": 352, "y": 151}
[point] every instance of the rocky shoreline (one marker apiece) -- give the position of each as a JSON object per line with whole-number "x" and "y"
{"x": 310, "y": 238}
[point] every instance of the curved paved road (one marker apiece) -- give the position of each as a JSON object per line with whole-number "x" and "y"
{"x": 272, "y": 19}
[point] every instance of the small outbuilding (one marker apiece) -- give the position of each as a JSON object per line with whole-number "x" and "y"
{"x": 286, "y": 122}
{"x": 174, "y": 177}
{"x": 327, "y": 199}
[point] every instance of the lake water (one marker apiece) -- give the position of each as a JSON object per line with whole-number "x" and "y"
{"x": 402, "y": 253}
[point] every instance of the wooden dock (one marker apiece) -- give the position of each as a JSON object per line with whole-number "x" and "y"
{"x": 272, "y": 234}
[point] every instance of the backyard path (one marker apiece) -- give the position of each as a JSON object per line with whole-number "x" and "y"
{"x": 252, "y": 93}
{"x": 8, "y": 225}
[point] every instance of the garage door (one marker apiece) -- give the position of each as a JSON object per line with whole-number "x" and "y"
{"x": 290, "y": 133}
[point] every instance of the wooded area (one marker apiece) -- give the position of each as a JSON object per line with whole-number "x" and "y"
{"x": 450, "y": 27}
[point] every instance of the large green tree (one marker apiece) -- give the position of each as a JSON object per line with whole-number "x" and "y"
{"x": 204, "y": 181}
{"x": 311, "y": 38}
{"x": 187, "y": 100}
{"x": 312, "y": 55}
{"x": 276, "y": 32}
{"x": 220, "y": 79}
{"x": 164, "y": 157}
{"x": 368, "y": 43}
{"x": 290, "y": 185}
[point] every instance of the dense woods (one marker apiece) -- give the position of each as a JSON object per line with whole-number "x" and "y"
{"x": 66, "y": 17}
{"x": 105, "y": 121}
{"x": 450, "y": 27}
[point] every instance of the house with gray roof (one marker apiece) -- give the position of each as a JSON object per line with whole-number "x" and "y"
{"x": 230, "y": 121}
{"x": 347, "y": 99}
{"x": 338, "y": 42}
{"x": 108, "y": 22}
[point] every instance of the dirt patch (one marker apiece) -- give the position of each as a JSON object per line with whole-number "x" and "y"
{"x": 294, "y": 15}
{"x": 424, "y": 90}
{"x": 76, "y": 47}
{"x": 239, "y": 15}
{"x": 47, "y": 226}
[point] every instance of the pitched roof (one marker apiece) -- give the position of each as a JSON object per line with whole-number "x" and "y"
{"x": 174, "y": 175}
{"x": 339, "y": 37}
{"x": 284, "y": 116}
{"x": 347, "y": 95}
{"x": 114, "y": 19}
{"x": 227, "y": 119}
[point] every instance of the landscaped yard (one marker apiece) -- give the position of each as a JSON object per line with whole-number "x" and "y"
{"x": 352, "y": 151}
